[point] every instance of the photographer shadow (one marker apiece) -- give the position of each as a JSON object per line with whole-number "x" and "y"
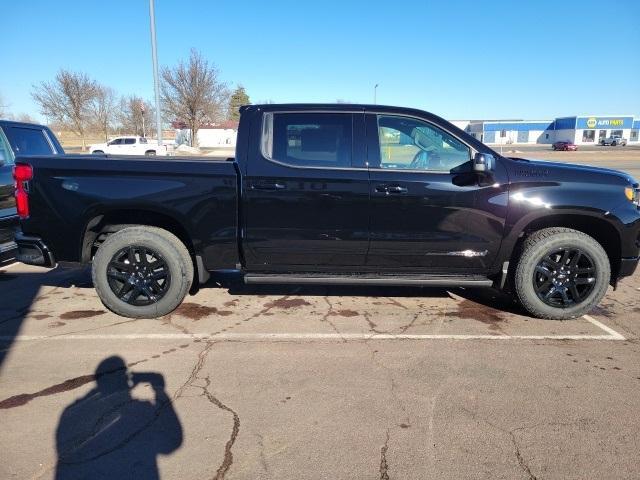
{"x": 109, "y": 434}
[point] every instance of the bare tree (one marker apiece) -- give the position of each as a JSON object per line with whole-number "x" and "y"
{"x": 103, "y": 110}
{"x": 67, "y": 100}
{"x": 136, "y": 116}
{"x": 4, "y": 107}
{"x": 25, "y": 117}
{"x": 193, "y": 94}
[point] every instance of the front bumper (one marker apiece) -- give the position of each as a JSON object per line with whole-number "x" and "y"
{"x": 33, "y": 251}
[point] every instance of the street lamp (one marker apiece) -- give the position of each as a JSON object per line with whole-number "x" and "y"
{"x": 375, "y": 94}
{"x": 154, "y": 59}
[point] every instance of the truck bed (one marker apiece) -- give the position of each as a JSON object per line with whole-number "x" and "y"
{"x": 74, "y": 193}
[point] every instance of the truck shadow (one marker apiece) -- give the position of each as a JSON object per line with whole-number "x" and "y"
{"x": 20, "y": 290}
{"x": 487, "y": 298}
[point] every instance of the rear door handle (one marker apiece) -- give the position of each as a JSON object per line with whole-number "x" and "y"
{"x": 268, "y": 186}
{"x": 391, "y": 189}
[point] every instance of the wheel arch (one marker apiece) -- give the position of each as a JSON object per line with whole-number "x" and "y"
{"x": 602, "y": 230}
{"x": 98, "y": 226}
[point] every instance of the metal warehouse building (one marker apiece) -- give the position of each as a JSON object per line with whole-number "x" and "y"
{"x": 582, "y": 130}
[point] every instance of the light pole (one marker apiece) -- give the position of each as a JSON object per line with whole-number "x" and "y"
{"x": 375, "y": 94}
{"x": 154, "y": 59}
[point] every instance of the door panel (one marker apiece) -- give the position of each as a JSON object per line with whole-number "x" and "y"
{"x": 305, "y": 207}
{"x": 426, "y": 216}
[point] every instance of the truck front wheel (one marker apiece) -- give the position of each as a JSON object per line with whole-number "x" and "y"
{"x": 562, "y": 274}
{"x": 142, "y": 272}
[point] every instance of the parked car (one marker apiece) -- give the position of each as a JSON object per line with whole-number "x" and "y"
{"x": 18, "y": 138}
{"x": 331, "y": 194}
{"x": 614, "y": 140}
{"x": 565, "y": 145}
{"x": 129, "y": 146}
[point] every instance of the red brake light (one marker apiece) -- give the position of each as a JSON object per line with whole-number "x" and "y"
{"x": 22, "y": 203}
{"x": 22, "y": 173}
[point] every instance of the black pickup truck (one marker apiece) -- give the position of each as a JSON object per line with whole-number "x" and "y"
{"x": 18, "y": 138}
{"x": 334, "y": 194}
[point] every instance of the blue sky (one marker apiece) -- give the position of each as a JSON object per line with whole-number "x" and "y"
{"x": 458, "y": 59}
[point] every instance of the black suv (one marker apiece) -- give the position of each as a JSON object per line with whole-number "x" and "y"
{"x": 18, "y": 138}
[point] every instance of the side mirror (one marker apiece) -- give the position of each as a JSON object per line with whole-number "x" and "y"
{"x": 483, "y": 163}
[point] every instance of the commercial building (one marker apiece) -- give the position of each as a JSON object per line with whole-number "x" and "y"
{"x": 211, "y": 135}
{"x": 502, "y": 132}
{"x": 580, "y": 129}
{"x": 591, "y": 129}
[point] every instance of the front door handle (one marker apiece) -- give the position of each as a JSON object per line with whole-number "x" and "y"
{"x": 391, "y": 189}
{"x": 268, "y": 186}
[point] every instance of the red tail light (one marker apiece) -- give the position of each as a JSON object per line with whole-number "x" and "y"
{"x": 22, "y": 173}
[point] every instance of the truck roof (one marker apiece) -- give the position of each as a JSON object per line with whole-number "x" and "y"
{"x": 343, "y": 107}
{"x": 334, "y": 106}
{"x": 20, "y": 124}
{"x": 358, "y": 107}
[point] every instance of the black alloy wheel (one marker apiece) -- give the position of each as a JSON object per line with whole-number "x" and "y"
{"x": 138, "y": 275}
{"x": 565, "y": 277}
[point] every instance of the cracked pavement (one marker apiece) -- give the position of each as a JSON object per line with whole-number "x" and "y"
{"x": 201, "y": 403}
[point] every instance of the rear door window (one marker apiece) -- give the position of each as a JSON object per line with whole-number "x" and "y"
{"x": 28, "y": 141}
{"x": 309, "y": 139}
{"x": 129, "y": 141}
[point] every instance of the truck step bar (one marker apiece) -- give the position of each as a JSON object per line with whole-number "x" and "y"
{"x": 370, "y": 279}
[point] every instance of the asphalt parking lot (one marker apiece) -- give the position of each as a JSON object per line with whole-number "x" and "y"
{"x": 316, "y": 383}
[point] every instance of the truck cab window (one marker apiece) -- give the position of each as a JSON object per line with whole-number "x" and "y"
{"x": 129, "y": 141}
{"x": 409, "y": 144}
{"x": 28, "y": 141}
{"x": 309, "y": 139}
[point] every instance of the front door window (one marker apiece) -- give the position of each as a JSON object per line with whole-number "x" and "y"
{"x": 410, "y": 144}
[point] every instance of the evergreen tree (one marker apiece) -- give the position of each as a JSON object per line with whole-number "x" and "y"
{"x": 238, "y": 98}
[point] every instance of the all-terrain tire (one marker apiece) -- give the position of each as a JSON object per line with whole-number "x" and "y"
{"x": 534, "y": 250}
{"x": 172, "y": 250}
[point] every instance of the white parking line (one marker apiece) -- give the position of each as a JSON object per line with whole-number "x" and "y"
{"x": 274, "y": 337}
{"x": 601, "y": 325}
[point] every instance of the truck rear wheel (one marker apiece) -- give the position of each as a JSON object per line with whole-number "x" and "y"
{"x": 142, "y": 272}
{"x": 562, "y": 274}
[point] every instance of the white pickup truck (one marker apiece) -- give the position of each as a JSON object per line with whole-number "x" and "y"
{"x": 129, "y": 146}
{"x": 614, "y": 140}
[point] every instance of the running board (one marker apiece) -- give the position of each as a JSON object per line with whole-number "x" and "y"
{"x": 389, "y": 280}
